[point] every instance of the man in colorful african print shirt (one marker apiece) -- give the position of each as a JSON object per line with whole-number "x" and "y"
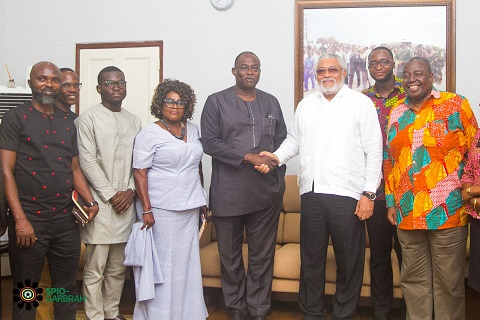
{"x": 385, "y": 93}
{"x": 428, "y": 134}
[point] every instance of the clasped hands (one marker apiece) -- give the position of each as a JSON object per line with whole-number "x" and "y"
{"x": 122, "y": 200}
{"x": 263, "y": 162}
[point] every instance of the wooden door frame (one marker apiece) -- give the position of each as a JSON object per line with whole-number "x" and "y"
{"x": 117, "y": 45}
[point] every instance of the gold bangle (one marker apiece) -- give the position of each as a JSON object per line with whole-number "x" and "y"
{"x": 475, "y": 204}
{"x": 468, "y": 191}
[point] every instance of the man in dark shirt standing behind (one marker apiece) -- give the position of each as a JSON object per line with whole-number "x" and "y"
{"x": 237, "y": 123}
{"x": 68, "y": 97}
{"x": 385, "y": 93}
{"x": 70, "y": 91}
{"x": 39, "y": 158}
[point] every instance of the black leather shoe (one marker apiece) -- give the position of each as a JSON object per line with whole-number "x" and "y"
{"x": 259, "y": 318}
{"x": 237, "y": 315}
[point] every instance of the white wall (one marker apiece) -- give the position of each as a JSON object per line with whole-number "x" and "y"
{"x": 3, "y": 75}
{"x": 200, "y": 43}
{"x": 468, "y": 48}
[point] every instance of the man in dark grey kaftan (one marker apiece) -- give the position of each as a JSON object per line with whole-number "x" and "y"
{"x": 238, "y": 123}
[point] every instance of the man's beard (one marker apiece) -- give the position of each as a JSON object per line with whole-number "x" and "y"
{"x": 333, "y": 89}
{"x": 42, "y": 98}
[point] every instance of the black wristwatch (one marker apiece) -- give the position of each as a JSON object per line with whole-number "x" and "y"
{"x": 370, "y": 195}
{"x": 91, "y": 204}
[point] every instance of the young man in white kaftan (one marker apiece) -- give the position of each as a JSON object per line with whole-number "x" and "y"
{"x": 106, "y": 133}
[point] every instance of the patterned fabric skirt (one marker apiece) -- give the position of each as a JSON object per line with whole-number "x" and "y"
{"x": 180, "y": 296}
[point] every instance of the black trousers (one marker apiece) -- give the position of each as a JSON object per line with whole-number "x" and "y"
{"x": 250, "y": 294}
{"x": 324, "y": 215}
{"x": 59, "y": 240}
{"x": 382, "y": 234}
{"x": 474, "y": 270}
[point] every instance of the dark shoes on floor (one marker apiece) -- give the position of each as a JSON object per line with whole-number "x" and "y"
{"x": 238, "y": 315}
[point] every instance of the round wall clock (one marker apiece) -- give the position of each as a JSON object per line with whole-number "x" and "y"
{"x": 222, "y": 5}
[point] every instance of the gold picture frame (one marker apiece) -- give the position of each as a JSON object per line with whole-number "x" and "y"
{"x": 430, "y": 22}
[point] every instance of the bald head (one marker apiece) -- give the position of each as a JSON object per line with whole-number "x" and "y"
{"x": 70, "y": 89}
{"x": 243, "y": 54}
{"x": 45, "y": 82}
{"x": 422, "y": 61}
{"x": 417, "y": 81}
{"x": 44, "y": 64}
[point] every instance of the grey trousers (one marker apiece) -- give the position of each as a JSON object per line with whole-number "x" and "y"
{"x": 432, "y": 276}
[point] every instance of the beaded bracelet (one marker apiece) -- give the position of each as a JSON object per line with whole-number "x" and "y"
{"x": 147, "y": 212}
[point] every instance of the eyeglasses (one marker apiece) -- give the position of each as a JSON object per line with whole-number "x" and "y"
{"x": 244, "y": 68}
{"x": 331, "y": 70}
{"x": 383, "y": 63}
{"x": 110, "y": 83}
{"x": 181, "y": 104}
{"x": 68, "y": 85}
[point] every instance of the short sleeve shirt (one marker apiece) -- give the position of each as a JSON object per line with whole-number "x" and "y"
{"x": 45, "y": 145}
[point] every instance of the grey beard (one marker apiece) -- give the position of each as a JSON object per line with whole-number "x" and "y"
{"x": 45, "y": 99}
{"x": 333, "y": 89}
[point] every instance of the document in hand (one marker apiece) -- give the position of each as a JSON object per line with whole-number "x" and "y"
{"x": 78, "y": 210}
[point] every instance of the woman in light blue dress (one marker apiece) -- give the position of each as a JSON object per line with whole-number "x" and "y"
{"x": 168, "y": 180}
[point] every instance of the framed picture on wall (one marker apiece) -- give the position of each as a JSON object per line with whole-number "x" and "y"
{"x": 352, "y": 29}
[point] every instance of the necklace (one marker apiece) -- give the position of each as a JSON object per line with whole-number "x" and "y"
{"x": 182, "y": 134}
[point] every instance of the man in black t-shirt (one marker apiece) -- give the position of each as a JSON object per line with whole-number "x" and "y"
{"x": 39, "y": 158}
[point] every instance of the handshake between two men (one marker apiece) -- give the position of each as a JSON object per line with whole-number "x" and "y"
{"x": 263, "y": 162}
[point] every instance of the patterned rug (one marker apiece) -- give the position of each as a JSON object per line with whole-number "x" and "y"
{"x": 81, "y": 316}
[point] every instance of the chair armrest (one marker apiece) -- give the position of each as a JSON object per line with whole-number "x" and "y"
{"x": 207, "y": 233}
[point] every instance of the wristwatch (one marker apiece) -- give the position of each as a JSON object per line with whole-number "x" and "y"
{"x": 370, "y": 195}
{"x": 91, "y": 204}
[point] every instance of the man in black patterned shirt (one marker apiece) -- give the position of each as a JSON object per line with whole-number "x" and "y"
{"x": 39, "y": 158}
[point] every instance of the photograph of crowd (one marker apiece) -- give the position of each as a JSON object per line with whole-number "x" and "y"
{"x": 353, "y": 32}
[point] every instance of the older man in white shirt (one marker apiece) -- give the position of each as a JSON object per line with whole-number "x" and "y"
{"x": 337, "y": 135}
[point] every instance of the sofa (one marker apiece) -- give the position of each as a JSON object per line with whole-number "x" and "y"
{"x": 286, "y": 272}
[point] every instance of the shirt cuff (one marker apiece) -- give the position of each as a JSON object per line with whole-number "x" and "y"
{"x": 390, "y": 200}
{"x": 106, "y": 196}
{"x": 281, "y": 159}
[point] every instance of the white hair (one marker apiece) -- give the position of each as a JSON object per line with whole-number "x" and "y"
{"x": 331, "y": 56}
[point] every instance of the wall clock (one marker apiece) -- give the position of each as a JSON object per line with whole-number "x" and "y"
{"x": 222, "y": 5}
